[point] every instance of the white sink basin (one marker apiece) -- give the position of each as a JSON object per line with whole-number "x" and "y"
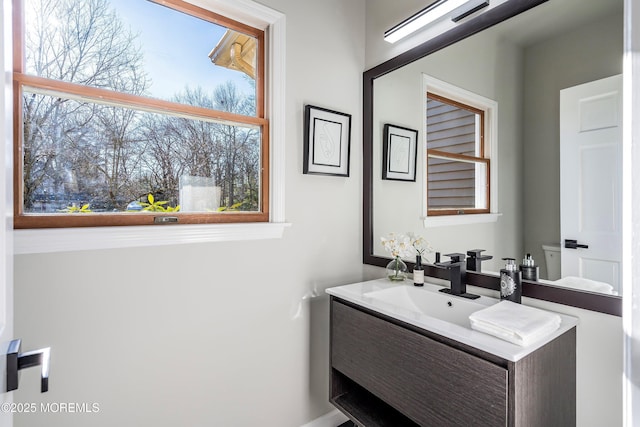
{"x": 437, "y": 312}
{"x": 431, "y": 303}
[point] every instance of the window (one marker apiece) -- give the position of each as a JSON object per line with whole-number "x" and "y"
{"x": 457, "y": 171}
{"x": 458, "y": 142}
{"x": 123, "y": 122}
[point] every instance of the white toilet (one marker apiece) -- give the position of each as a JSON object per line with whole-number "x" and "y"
{"x": 552, "y": 259}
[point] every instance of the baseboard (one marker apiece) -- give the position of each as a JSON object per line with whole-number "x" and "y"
{"x": 332, "y": 419}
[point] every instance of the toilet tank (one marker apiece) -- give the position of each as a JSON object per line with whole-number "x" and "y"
{"x": 552, "y": 260}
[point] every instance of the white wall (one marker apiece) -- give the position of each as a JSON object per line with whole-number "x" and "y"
{"x": 220, "y": 334}
{"x": 599, "y": 365}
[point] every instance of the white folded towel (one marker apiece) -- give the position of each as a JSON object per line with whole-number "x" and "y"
{"x": 516, "y": 323}
{"x": 584, "y": 284}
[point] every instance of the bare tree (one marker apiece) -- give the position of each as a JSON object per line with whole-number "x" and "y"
{"x": 163, "y": 158}
{"x": 84, "y": 42}
{"x": 196, "y": 135}
{"x": 229, "y": 154}
{"x": 237, "y": 146}
{"x": 111, "y": 155}
{"x": 120, "y": 143}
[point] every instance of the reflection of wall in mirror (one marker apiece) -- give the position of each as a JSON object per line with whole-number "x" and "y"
{"x": 398, "y": 100}
{"x": 525, "y": 82}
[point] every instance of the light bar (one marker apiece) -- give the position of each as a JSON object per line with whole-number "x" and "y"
{"x": 467, "y": 9}
{"x": 434, "y": 11}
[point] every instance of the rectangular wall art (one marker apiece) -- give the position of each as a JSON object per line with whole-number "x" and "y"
{"x": 399, "y": 153}
{"x": 327, "y": 138}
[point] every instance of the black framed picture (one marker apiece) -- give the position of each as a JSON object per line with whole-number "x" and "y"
{"x": 399, "y": 153}
{"x": 327, "y": 139}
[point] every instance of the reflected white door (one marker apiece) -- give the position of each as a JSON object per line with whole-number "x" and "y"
{"x": 591, "y": 180}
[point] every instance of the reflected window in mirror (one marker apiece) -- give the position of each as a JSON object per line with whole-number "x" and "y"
{"x": 460, "y": 133}
{"x": 457, "y": 169}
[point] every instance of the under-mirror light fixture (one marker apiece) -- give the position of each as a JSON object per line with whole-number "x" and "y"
{"x": 434, "y": 11}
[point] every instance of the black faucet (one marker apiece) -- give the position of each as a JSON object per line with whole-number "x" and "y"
{"x": 457, "y": 276}
{"x": 474, "y": 260}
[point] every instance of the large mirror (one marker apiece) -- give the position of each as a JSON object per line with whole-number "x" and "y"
{"x": 521, "y": 64}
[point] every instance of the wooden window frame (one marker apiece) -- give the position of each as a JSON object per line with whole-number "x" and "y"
{"x": 482, "y": 158}
{"x": 141, "y": 103}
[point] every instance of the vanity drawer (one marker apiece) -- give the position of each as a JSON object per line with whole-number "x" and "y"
{"x": 428, "y": 381}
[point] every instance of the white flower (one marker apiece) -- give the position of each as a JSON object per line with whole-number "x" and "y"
{"x": 419, "y": 244}
{"x": 398, "y": 245}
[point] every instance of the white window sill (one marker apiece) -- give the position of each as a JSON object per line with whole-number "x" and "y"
{"x": 446, "y": 220}
{"x": 81, "y": 239}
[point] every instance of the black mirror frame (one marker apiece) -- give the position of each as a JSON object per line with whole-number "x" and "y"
{"x": 607, "y": 304}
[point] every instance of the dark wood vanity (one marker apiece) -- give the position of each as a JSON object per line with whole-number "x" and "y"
{"x": 384, "y": 372}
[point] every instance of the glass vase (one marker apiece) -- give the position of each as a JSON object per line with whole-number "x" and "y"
{"x": 396, "y": 270}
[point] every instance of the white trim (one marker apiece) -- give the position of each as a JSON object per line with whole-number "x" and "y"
{"x": 251, "y": 13}
{"x": 276, "y": 111}
{"x": 81, "y": 239}
{"x": 631, "y": 215}
{"x": 490, "y": 107}
{"x": 446, "y": 220}
{"x": 6, "y": 186}
{"x": 245, "y": 11}
{"x": 332, "y": 419}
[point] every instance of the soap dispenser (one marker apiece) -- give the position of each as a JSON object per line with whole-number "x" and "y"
{"x": 510, "y": 282}
{"x": 418, "y": 272}
{"x": 529, "y": 268}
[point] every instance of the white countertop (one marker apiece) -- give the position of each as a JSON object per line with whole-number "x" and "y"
{"x": 357, "y": 293}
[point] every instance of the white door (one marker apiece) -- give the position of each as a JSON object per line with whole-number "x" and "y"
{"x": 6, "y": 293}
{"x": 6, "y": 241}
{"x": 38, "y": 358}
{"x": 591, "y": 180}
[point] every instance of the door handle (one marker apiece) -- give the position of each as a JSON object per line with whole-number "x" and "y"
{"x": 573, "y": 244}
{"x": 17, "y": 361}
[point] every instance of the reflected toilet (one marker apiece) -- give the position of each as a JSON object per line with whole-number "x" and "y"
{"x": 552, "y": 260}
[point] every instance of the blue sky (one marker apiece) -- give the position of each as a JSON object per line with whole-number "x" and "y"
{"x": 175, "y": 48}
